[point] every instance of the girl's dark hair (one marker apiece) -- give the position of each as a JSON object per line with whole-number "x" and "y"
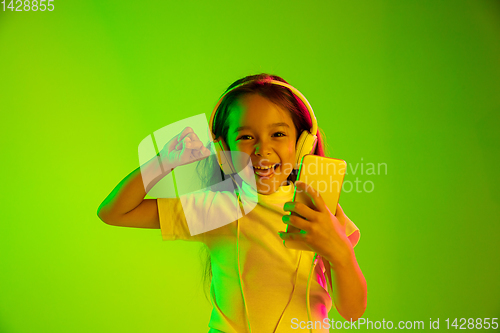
{"x": 282, "y": 97}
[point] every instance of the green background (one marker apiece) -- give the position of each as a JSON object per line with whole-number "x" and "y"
{"x": 413, "y": 84}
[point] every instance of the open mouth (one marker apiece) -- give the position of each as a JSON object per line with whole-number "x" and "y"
{"x": 266, "y": 172}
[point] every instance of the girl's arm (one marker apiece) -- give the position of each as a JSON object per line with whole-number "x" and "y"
{"x": 125, "y": 206}
{"x": 349, "y": 290}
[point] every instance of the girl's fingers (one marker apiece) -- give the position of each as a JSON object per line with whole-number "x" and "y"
{"x": 291, "y": 236}
{"x": 193, "y": 144}
{"x": 205, "y": 151}
{"x": 198, "y": 154}
{"x": 184, "y": 133}
{"x": 192, "y": 136}
{"x": 339, "y": 210}
{"x": 189, "y": 144}
{"x": 173, "y": 144}
{"x": 301, "y": 209}
{"x": 176, "y": 141}
{"x": 182, "y": 143}
{"x": 297, "y": 222}
{"x": 339, "y": 214}
{"x": 314, "y": 195}
{"x": 192, "y": 151}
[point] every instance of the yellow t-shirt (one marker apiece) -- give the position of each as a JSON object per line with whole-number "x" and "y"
{"x": 267, "y": 267}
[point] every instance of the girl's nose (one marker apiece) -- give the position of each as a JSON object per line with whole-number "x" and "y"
{"x": 262, "y": 149}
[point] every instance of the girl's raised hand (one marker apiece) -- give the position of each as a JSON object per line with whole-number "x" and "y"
{"x": 322, "y": 232}
{"x": 183, "y": 148}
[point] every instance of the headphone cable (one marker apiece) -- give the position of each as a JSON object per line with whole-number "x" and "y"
{"x": 291, "y": 295}
{"x": 238, "y": 252}
{"x": 309, "y": 288}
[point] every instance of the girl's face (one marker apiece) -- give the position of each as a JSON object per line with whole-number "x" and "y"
{"x": 267, "y": 134}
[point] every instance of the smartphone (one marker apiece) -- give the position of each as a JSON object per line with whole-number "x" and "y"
{"x": 325, "y": 175}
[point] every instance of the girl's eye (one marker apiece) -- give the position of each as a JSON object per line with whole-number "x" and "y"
{"x": 278, "y": 134}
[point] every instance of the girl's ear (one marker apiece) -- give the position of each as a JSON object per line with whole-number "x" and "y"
{"x": 292, "y": 177}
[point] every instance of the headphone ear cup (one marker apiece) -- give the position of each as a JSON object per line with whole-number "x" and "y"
{"x": 223, "y": 157}
{"x": 305, "y": 145}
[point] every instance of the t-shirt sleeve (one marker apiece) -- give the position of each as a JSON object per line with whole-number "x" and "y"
{"x": 173, "y": 222}
{"x": 193, "y": 216}
{"x": 352, "y": 232}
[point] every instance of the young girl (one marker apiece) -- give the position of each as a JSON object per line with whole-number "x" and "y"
{"x": 258, "y": 285}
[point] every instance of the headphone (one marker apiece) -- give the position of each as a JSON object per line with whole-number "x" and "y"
{"x": 305, "y": 144}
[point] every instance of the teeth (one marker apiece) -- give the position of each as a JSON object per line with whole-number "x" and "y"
{"x": 265, "y": 168}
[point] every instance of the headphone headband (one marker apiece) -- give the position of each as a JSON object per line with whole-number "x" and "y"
{"x": 297, "y": 93}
